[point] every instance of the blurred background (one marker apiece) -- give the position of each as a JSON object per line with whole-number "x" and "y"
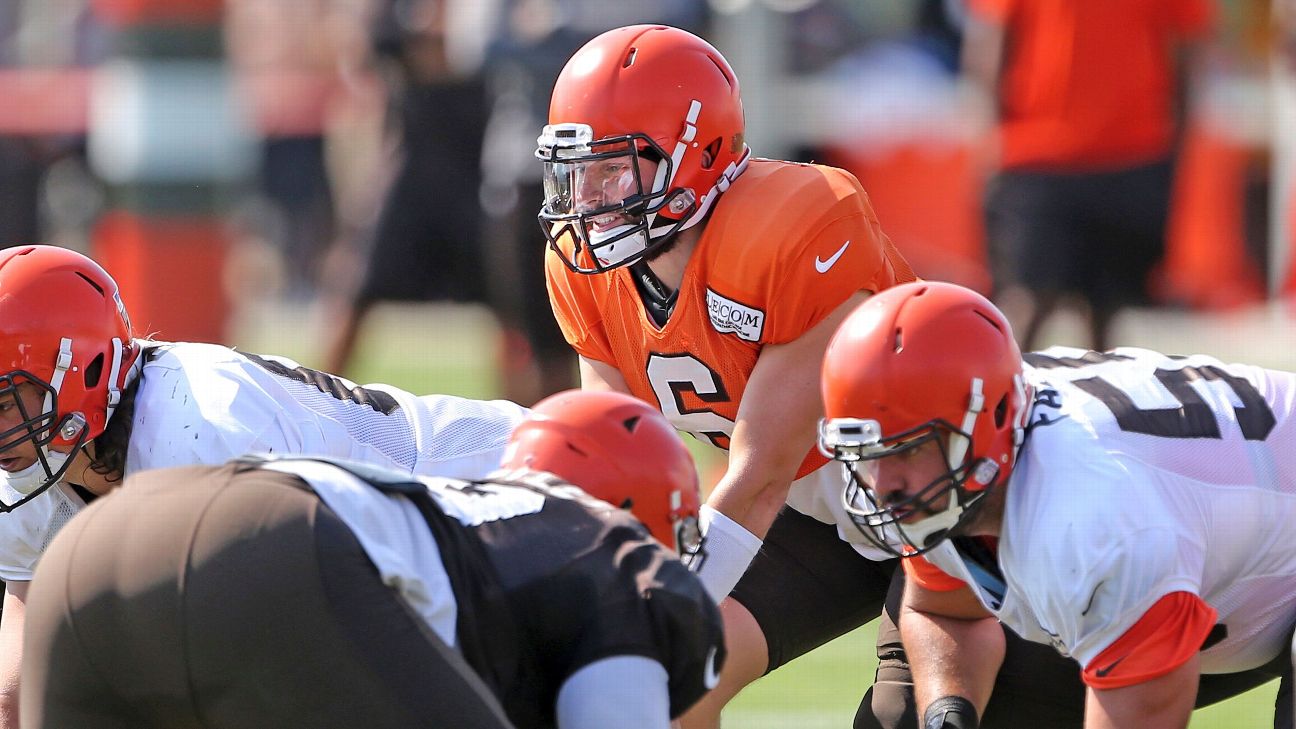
{"x": 350, "y": 182}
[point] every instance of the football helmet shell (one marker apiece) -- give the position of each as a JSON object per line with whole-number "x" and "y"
{"x": 65, "y": 330}
{"x": 917, "y": 362}
{"x": 642, "y": 93}
{"x": 619, "y": 449}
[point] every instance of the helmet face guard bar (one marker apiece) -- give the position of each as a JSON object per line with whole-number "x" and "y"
{"x": 40, "y": 430}
{"x": 35, "y": 428}
{"x": 571, "y": 156}
{"x": 858, "y": 445}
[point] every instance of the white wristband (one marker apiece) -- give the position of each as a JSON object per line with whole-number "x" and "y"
{"x": 729, "y": 547}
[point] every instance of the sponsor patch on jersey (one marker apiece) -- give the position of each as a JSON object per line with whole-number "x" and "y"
{"x": 728, "y": 315}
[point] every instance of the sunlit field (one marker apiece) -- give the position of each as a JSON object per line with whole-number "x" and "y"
{"x": 451, "y": 350}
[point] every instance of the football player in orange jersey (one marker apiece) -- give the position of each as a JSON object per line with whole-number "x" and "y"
{"x": 689, "y": 274}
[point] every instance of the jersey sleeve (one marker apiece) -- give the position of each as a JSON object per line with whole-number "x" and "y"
{"x": 844, "y": 252}
{"x": 928, "y": 576}
{"x": 1164, "y": 638}
{"x": 26, "y": 531}
{"x": 577, "y": 313}
{"x": 671, "y": 621}
{"x": 1116, "y": 589}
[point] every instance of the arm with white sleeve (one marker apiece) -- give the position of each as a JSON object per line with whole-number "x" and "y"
{"x": 627, "y": 692}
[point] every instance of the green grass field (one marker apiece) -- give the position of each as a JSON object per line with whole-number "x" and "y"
{"x": 451, "y": 350}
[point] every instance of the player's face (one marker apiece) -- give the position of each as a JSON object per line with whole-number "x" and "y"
{"x": 23, "y": 454}
{"x": 609, "y": 181}
{"x": 901, "y": 476}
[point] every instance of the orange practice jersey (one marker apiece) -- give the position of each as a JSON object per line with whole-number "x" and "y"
{"x": 783, "y": 248}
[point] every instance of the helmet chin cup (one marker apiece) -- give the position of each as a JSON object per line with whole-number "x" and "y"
{"x": 49, "y": 467}
{"x": 626, "y": 241}
{"x": 39, "y": 475}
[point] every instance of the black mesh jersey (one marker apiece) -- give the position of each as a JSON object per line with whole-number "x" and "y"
{"x": 548, "y": 580}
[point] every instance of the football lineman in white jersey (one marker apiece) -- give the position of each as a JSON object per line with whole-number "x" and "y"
{"x": 84, "y": 402}
{"x": 1131, "y": 508}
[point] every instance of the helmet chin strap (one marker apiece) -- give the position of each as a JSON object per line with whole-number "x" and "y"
{"x": 920, "y": 532}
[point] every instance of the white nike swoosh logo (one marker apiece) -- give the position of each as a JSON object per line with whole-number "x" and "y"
{"x": 710, "y": 678}
{"x": 823, "y": 266}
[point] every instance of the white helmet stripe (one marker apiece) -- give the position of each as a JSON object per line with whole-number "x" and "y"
{"x": 726, "y": 179}
{"x": 681, "y": 146}
{"x": 61, "y": 365}
{"x": 958, "y": 443}
{"x": 1023, "y": 414}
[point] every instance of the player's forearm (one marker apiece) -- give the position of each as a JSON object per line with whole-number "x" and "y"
{"x": 735, "y": 520}
{"x": 952, "y": 656}
{"x": 1165, "y": 702}
{"x": 749, "y": 499}
{"x": 9, "y": 707}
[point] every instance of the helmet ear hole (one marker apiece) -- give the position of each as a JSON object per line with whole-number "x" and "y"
{"x": 1001, "y": 412}
{"x": 710, "y": 153}
{"x": 94, "y": 371}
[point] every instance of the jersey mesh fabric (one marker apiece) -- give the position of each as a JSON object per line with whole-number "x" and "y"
{"x": 64, "y": 510}
{"x": 392, "y": 434}
{"x": 786, "y": 245}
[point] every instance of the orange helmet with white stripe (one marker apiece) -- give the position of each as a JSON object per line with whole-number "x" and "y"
{"x": 919, "y": 362}
{"x": 645, "y": 132}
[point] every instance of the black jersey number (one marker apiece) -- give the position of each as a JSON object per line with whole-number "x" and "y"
{"x": 331, "y": 385}
{"x": 672, "y": 375}
{"x": 1192, "y": 419}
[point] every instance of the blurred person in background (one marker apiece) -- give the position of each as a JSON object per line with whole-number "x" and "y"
{"x": 85, "y": 402}
{"x": 1089, "y": 100}
{"x": 426, "y": 242}
{"x": 703, "y": 280}
{"x": 320, "y": 593}
{"x": 292, "y": 60}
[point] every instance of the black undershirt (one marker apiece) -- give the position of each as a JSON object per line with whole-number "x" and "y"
{"x": 658, "y": 300}
{"x": 85, "y": 494}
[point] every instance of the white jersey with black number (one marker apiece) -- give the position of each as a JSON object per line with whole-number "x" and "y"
{"x": 1142, "y": 475}
{"x": 204, "y": 404}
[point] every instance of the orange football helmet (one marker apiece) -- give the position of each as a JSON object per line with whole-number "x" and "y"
{"x": 619, "y": 449}
{"x": 919, "y": 362}
{"x": 63, "y": 329}
{"x": 645, "y": 131}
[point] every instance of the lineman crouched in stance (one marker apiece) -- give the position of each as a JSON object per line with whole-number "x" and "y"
{"x": 84, "y": 402}
{"x": 314, "y": 593}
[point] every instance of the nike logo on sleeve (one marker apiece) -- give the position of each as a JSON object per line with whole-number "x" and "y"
{"x": 710, "y": 676}
{"x": 1102, "y": 672}
{"x": 823, "y": 266}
